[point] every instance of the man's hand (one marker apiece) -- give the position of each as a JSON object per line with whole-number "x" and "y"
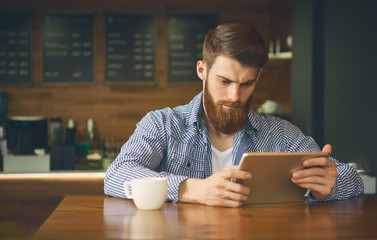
{"x": 320, "y": 175}
{"x": 216, "y": 190}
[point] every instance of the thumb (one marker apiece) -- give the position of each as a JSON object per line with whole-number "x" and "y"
{"x": 327, "y": 148}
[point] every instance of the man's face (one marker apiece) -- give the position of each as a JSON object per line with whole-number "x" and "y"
{"x": 228, "y": 89}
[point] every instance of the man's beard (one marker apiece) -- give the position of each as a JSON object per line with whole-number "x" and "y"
{"x": 227, "y": 121}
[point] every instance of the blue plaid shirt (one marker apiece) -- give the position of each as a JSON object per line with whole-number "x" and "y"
{"x": 174, "y": 143}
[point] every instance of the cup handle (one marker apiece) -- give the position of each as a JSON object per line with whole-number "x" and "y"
{"x": 127, "y": 192}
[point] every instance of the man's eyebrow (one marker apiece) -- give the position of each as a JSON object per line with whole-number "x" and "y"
{"x": 230, "y": 80}
{"x": 225, "y": 78}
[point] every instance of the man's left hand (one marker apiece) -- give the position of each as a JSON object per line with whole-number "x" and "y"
{"x": 319, "y": 175}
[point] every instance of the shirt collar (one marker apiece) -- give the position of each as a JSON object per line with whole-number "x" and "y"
{"x": 254, "y": 121}
{"x": 195, "y": 111}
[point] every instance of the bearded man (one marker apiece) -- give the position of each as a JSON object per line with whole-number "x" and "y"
{"x": 197, "y": 146}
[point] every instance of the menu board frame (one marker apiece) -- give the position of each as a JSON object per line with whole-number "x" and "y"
{"x": 186, "y": 32}
{"x": 15, "y": 47}
{"x": 73, "y": 48}
{"x": 131, "y": 40}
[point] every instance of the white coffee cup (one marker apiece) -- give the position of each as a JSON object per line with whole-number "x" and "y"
{"x": 148, "y": 193}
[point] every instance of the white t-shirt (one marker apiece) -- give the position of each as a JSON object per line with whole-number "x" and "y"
{"x": 221, "y": 159}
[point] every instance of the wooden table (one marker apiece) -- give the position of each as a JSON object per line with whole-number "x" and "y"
{"x": 27, "y": 200}
{"x": 100, "y": 217}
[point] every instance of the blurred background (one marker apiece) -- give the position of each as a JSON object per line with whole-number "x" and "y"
{"x": 77, "y": 75}
{"x": 99, "y": 66}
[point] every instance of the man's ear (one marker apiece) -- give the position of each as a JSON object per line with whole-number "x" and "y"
{"x": 201, "y": 69}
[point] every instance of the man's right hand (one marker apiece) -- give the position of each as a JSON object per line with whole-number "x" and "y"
{"x": 216, "y": 190}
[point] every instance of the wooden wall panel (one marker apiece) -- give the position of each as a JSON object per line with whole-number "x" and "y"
{"x": 116, "y": 108}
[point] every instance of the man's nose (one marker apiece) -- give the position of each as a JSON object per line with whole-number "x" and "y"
{"x": 234, "y": 93}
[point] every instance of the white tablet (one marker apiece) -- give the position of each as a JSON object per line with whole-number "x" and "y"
{"x": 271, "y": 176}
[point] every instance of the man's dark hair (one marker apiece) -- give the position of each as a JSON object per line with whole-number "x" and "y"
{"x": 237, "y": 41}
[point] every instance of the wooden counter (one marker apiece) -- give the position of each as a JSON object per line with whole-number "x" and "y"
{"x": 100, "y": 217}
{"x": 26, "y": 200}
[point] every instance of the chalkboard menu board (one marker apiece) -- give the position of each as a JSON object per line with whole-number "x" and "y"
{"x": 15, "y": 40}
{"x": 186, "y": 34}
{"x": 67, "y": 48}
{"x": 130, "y": 47}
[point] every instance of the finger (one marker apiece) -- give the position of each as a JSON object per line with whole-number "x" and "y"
{"x": 325, "y": 173}
{"x": 315, "y": 180}
{"x": 319, "y": 162}
{"x": 316, "y": 176}
{"x": 304, "y": 173}
{"x": 236, "y": 196}
{"x": 220, "y": 183}
{"x": 327, "y": 148}
{"x": 229, "y": 173}
{"x": 238, "y": 188}
{"x": 222, "y": 197}
{"x": 233, "y": 187}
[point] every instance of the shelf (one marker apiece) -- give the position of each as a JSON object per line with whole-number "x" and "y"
{"x": 282, "y": 55}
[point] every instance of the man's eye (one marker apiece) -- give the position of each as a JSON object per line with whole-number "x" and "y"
{"x": 224, "y": 81}
{"x": 247, "y": 84}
